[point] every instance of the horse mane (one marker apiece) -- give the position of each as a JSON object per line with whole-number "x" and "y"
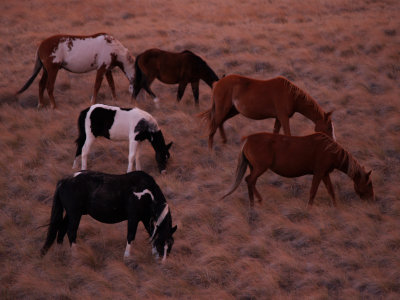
{"x": 347, "y": 162}
{"x": 300, "y": 95}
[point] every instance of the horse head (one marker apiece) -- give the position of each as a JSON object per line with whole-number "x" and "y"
{"x": 161, "y": 149}
{"x": 325, "y": 125}
{"x": 162, "y": 238}
{"x": 363, "y": 185}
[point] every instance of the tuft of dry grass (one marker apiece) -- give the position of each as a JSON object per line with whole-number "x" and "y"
{"x": 344, "y": 53}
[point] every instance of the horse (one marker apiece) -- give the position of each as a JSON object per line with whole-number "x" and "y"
{"x": 111, "y": 199}
{"x": 117, "y": 123}
{"x": 289, "y": 156}
{"x": 260, "y": 99}
{"x": 171, "y": 68}
{"x": 80, "y": 54}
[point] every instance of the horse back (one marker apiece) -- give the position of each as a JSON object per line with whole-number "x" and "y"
{"x": 288, "y": 156}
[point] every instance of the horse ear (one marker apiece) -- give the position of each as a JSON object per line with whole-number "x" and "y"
{"x": 173, "y": 229}
{"x": 369, "y": 174}
{"x": 169, "y": 145}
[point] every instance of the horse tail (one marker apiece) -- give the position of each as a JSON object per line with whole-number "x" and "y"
{"x": 36, "y": 70}
{"x": 240, "y": 171}
{"x": 80, "y": 141}
{"x": 137, "y": 82}
{"x": 55, "y": 221}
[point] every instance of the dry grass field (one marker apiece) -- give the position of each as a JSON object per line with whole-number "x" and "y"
{"x": 345, "y": 53}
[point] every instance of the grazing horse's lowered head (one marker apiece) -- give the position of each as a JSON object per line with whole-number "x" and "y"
{"x": 171, "y": 68}
{"x": 110, "y": 199}
{"x": 117, "y": 123}
{"x": 80, "y": 54}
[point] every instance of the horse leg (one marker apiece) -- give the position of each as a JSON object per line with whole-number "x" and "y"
{"x": 110, "y": 81}
{"x": 42, "y": 86}
{"x": 52, "y": 75}
{"x": 313, "y": 191}
{"x": 146, "y": 85}
{"x": 284, "y": 120}
{"x": 85, "y": 150}
{"x": 232, "y": 112}
{"x": 181, "y": 91}
{"x": 251, "y": 184}
{"x": 132, "y": 227}
{"x": 62, "y": 230}
{"x": 99, "y": 78}
{"x": 277, "y": 125}
{"x": 72, "y": 230}
{"x": 195, "y": 90}
{"x": 133, "y": 146}
{"x": 327, "y": 181}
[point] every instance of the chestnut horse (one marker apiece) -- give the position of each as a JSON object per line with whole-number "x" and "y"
{"x": 171, "y": 68}
{"x": 291, "y": 156}
{"x": 261, "y": 99}
{"x": 80, "y": 54}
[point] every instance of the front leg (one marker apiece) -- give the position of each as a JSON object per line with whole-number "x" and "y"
{"x": 99, "y": 78}
{"x": 195, "y": 90}
{"x": 181, "y": 90}
{"x": 133, "y": 146}
{"x": 132, "y": 227}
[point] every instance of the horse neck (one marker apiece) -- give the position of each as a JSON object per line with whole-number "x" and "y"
{"x": 308, "y": 107}
{"x": 208, "y": 75}
{"x": 128, "y": 66}
{"x": 348, "y": 164}
{"x": 157, "y": 141}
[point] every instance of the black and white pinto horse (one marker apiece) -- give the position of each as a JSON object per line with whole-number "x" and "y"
{"x": 117, "y": 123}
{"x": 80, "y": 54}
{"x": 110, "y": 199}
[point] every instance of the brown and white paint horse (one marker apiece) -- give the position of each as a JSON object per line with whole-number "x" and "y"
{"x": 291, "y": 156}
{"x": 80, "y": 54}
{"x": 261, "y": 99}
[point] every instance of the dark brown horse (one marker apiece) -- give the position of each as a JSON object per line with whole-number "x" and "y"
{"x": 290, "y": 156}
{"x": 80, "y": 54}
{"x": 261, "y": 99}
{"x": 171, "y": 68}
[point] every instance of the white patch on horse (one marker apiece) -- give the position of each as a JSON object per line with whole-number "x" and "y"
{"x": 144, "y": 192}
{"x": 127, "y": 251}
{"x": 80, "y": 55}
{"x": 160, "y": 219}
{"x": 77, "y": 173}
{"x": 165, "y": 252}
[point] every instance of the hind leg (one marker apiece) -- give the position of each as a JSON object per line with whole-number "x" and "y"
{"x": 85, "y": 151}
{"x": 195, "y": 90}
{"x": 277, "y": 126}
{"x": 42, "y": 86}
{"x": 110, "y": 81}
{"x": 52, "y": 73}
{"x": 181, "y": 91}
{"x": 251, "y": 184}
{"x": 72, "y": 230}
{"x": 62, "y": 230}
{"x": 232, "y": 112}
{"x": 284, "y": 121}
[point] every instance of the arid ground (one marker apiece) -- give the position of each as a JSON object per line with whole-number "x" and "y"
{"x": 345, "y": 53}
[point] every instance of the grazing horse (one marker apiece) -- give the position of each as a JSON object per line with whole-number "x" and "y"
{"x": 260, "y": 99}
{"x": 291, "y": 156}
{"x": 80, "y": 54}
{"x": 171, "y": 68}
{"x": 110, "y": 199}
{"x": 117, "y": 123}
